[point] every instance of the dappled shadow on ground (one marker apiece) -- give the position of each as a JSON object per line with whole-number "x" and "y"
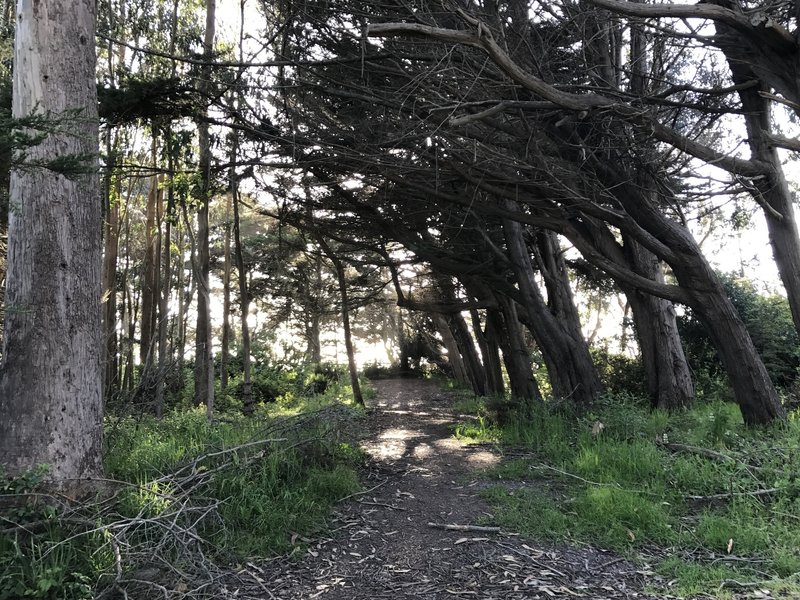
{"x": 388, "y": 542}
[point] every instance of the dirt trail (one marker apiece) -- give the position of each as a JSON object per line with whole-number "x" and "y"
{"x": 382, "y": 546}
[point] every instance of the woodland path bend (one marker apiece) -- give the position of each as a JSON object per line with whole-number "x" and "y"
{"x": 381, "y": 545}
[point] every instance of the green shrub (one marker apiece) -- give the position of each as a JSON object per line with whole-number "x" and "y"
{"x": 620, "y": 374}
{"x": 768, "y": 320}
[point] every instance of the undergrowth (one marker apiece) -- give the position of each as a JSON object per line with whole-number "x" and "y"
{"x": 711, "y": 501}
{"x": 183, "y": 496}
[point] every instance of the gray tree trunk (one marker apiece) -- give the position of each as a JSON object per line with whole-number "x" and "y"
{"x": 51, "y": 380}
{"x": 204, "y": 357}
{"x": 754, "y": 392}
{"x": 772, "y": 191}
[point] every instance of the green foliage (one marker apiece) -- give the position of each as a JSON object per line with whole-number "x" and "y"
{"x": 152, "y": 100}
{"x": 768, "y": 320}
{"x": 479, "y": 429}
{"x": 620, "y": 486}
{"x": 620, "y": 374}
{"x": 37, "y": 557}
{"x": 376, "y": 370}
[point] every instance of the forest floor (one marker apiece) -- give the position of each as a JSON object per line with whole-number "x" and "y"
{"x": 384, "y": 542}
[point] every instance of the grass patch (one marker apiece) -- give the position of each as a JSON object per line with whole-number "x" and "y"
{"x": 622, "y": 486}
{"x": 187, "y": 493}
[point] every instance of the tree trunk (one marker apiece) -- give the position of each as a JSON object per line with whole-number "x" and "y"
{"x": 51, "y": 378}
{"x": 751, "y": 384}
{"x": 566, "y": 354}
{"x": 475, "y": 372}
{"x": 244, "y": 298}
{"x": 669, "y": 380}
{"x": 204, "y": 352}
{"x": 772, "y": 191}
{"x": 472, "y": 363}
{"x": 109, "y": 284}
{"x": 164, "y": 357}
{"x": 313, "y": 315}
{"x": 506, "y": 327}
{"x": 150, "y": 273}
{"x": 453, "y": 352}
{"x": 348, "y": 338}
{"x": 490, "y": 352}
{"x": 226, "y": 291}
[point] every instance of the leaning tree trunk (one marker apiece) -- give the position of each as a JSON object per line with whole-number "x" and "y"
{"x": 51, "y": 379}
{"x": 565, "y": 352}
{"x": 472, "y": 362}
{"x": 453, "y": 353}
{"x": 669, "y": 380}
{"x": 752, "y": 388}
{"x": 490, "y": 352}
{"x": 473, "y": 367}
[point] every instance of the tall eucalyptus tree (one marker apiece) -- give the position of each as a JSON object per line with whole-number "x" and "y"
{"x": 51, "y": 377}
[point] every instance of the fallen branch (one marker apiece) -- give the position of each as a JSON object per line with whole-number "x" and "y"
{"x": 730, "y": 495}
{"x": 450, "y": 527}
{"x": 707, "y": 453}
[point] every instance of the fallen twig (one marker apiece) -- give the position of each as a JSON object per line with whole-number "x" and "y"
{"x": 729, "y": 495}
{"x": 450, "y": 527}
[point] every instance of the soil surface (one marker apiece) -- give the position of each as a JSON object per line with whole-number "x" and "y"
{"x": 388, "y": 542}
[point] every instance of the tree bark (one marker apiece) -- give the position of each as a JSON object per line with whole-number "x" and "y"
{"x": 565, "y": 352}
{"x": 772, "y": 191}
{"x": 348, "y": 337}
{"x": 669, "y": 380}
{"x": 150, "y": 271}
{"x": 476, "y": 375}
{"x": 313, "y": 316}
{"x": 453, "y": 352}
{"x": 204, "y": 356}
{"x": 244, "y": 309}
{"x": 51, "y": 378}
{"x": 109, "y": 284}
{"x": 490, "y": 352}
{"x": 752, "y": 388}
{"x": 505, "y": 325}
{"x": 472, "y": 362}
{"x": 164, "y": 357}
{"x": 226, "y": 292}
